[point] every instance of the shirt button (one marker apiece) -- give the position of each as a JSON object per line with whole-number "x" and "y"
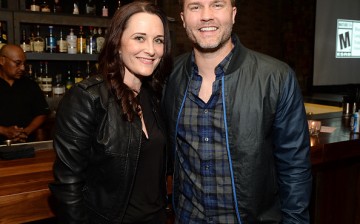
{"x": 206, "y": 139}
{"x": 206, "y": 111}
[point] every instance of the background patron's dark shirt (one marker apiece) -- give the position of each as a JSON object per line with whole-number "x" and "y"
{"x": 20, "y": 103}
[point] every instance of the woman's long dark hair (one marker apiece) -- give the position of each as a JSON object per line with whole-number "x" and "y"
{"x": 111, "y": 65}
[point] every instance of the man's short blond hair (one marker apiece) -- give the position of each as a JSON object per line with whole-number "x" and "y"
{"x": 181, "y": 2}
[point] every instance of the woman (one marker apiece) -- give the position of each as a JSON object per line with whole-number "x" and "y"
{"x": 110, "y": 164}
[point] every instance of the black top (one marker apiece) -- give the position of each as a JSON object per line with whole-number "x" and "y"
{"x": 147, "y": 202}
{"x": 20, "y": 103}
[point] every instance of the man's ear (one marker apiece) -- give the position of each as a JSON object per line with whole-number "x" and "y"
{"x": 182, "y": 18}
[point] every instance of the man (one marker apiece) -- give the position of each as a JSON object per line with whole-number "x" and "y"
{"x": 23, "y": 107}
{"x": 237, "y": 125}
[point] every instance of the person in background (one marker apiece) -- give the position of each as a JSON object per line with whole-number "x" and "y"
{"x": 237, "y": 126}
{"x": 23, "y": 108}
{"x": 109, "y": 138}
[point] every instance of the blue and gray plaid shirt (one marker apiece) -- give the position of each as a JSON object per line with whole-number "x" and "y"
{"x": 204, "y": 175}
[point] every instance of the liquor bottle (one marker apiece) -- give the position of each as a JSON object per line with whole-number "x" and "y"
{"x": 32, "y": 39}
{"x": 3, "y": 35}
{"x": 35, "y": 7}
{"x": 90, "y": 42}
{"x": 88, "y": 73}
{"x": 57, "y": 8}
{"x": 46, "y": 81}
{"x": 76, "y": 8}
{"x": 25, "y": 42}
{"x": 100, "y": 39}
{"x": 119, "y": 5}
{"x": 30, "y": 74}
{"x": 61, "y": 43}
{"x": 38, "y": 75}
{"x": 81, "y": 42}
{"x": 39, "y": 43}
{"x": 78, "y": 76}
{"x": 90, "y": 7}
{"x": 69, "y": 79}
{"x": 71, "y": 40}
{"x": 45, "y": 7}
{"x": 58, "y": 86}
{"x": 50, "y": 41}
{"x": 104, "y": 9}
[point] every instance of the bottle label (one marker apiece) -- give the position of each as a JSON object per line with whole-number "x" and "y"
{"x": 99, "y": 43}
{"x": 105, "y": 12}
{"x": 51, "y": 44}
{"x": 35, "y": 8}
{"x": 58, "y": 90}
{"x": 72, "y": 44}
{"x": 39, "y": 46}
{"x": 62, "y": 46}
{"x": 25, "y": 47}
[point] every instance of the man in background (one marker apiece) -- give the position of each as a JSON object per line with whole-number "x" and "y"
{"x": 23, "y": 107}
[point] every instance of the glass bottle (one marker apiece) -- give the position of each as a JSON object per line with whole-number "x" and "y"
{"x": 62, "y": 44}
{"x": 58, "y": 87}
{"x": 35, "y": 6}
{"x": 88, "y": 70}
{"x": 81, "y": 42}
{"x": 32, "y": 39}
{"x": 100, "y": 39}
{"x": 25, "y": 42}
{"x": 38, "y": 76}
{"x": 78, "y": 76}
{"x": 50, "y": 41}
{"x": 3, "y": 35}
{"x": 69, "y": 79}
{"x": 104, "y": 9}
{"x": 76, "y": 7}
{"x": 57, "y": 8}
{"x": 39, "y": 43}
{"x": 45, "y": 7}
{"x": 71, "y": 40}
{"x": 119, "y": 5}
{"x": 90, "y": 7}
{"x": 46, "y": 81}
{"x": 90, "y": 42}
{"x": 30, "y": 74}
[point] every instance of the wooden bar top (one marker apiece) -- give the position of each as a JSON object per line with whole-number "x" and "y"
{"x": 24, "y": 193}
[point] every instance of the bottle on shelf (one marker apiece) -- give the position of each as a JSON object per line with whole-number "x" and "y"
{"x": 119, "y": 5}
{"x": 61, "y": 43}
{"x": 3, "y": 35}
{"x": 46, "y": 81}
{"x": 39, "y": 43}
{"x": 39, "y": 75}
{"x": 90, "y": 7}
{"x": 81, "y": 42}
{"x": 25, "y": 42}
{"x": 50, "y": 41}
{"x": 35, "y": 6}
{"x": 45, "y": 7}
{"x": 71, "y": 40}
{"x": 76, "y": 7}
{"x": 58, "y": 85}
{"x": 69, "y": 79}
{"x": 57, "y": 7}
{"x": 32, "y": 39}
{"x": 100, "y": 39}
{"x": 90, "y": 42}
{"x": 104, "y": 8}
{"x": 30, "y": 74}
{"x": 78, "y": 76}
{"x": 88, "y": 70}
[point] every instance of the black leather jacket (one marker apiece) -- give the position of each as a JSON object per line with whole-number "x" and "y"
{"x": 97, "y": 155}
{"x": 268, "y": 139}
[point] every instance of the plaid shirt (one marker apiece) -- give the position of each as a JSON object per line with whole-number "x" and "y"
{"x": 204, "y": 175}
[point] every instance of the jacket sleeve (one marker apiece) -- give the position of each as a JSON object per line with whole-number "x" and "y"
{"x": 292, "y": 153}
{"x": 72, "y": 138}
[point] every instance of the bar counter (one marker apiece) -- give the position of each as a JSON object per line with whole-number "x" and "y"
{"x": 24, "y": 194}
